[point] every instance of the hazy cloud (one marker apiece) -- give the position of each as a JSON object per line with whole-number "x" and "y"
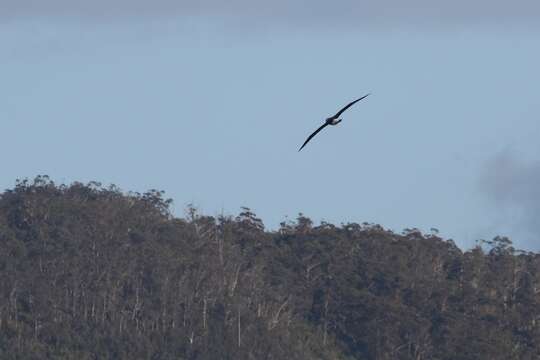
{"x": 514, "y": 186}
{"x": 321, "y": 12}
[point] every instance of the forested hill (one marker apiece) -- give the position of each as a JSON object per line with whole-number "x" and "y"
{"x": 88, "y": 272}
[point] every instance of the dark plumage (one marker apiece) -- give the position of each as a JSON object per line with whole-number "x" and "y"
{"x": 333, "y": 120}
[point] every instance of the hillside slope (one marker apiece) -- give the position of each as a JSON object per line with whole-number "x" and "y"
{"x": 90, "y": 272}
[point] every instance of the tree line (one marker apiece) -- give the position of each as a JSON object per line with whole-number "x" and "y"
{"x": 91, "y": 272}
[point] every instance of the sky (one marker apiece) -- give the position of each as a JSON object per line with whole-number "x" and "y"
{"x": 210, "y": 101}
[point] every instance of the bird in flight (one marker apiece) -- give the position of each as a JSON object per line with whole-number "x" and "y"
{"x": 334, "y": 120}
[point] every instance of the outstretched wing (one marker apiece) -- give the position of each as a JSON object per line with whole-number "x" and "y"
{"x": 312, "y": 135}
{"x": 348, "y": 106}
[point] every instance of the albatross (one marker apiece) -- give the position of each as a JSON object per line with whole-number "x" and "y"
{"x": 333, "y": 120}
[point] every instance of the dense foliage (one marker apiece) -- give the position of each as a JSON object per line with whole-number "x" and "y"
{"x": 88, "y": 272}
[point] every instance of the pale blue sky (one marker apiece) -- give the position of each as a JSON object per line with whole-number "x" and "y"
{"x": 212, "y": 106}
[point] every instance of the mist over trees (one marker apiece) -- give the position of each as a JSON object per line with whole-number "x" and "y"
{"x": 91, "y": 272}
